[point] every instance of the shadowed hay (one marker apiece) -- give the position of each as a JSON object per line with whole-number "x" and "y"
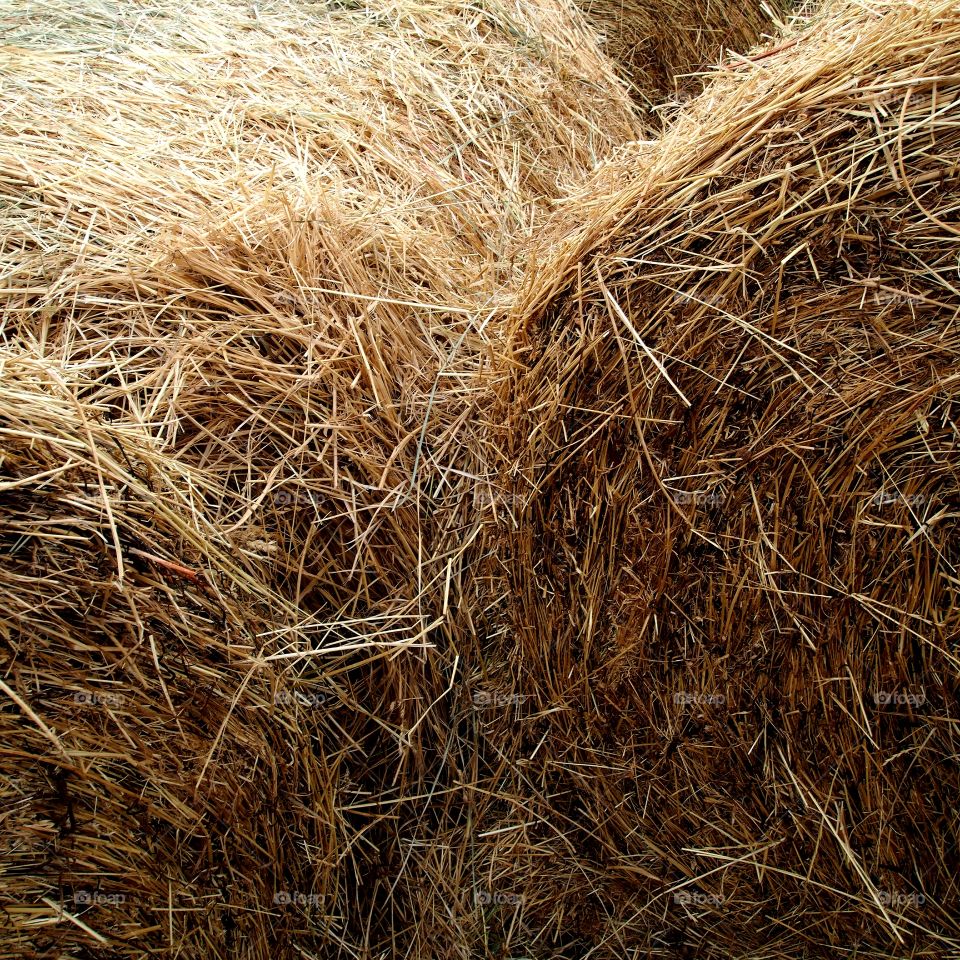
{"x": 736, "y": 615}
{"x": 138, "y": 714}
{"x": 658, "y": 44}
{"x": 250, "y": 256}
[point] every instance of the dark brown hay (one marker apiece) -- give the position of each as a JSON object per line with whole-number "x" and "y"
{"x": 279, "y": 625}
{"x": 736, "y": 576}
{"x": 146, "y": 765}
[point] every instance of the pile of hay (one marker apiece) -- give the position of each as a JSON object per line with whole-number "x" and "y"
{"x": 353, "y": 606}
{"x": 151, "y": 756}
{"x": 250, "y": 255}
{"x": 736, "y": 448}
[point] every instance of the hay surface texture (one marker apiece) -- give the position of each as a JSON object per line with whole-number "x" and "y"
{"x": 736, "y": 577}
{"x": 247, "y": 255}
{"x": 350, "y": 608}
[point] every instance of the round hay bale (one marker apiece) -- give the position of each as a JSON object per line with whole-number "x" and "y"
{"x": 736, "y": 442}
{"x": 284, "y": 246}
{"x": 251, "y": 258}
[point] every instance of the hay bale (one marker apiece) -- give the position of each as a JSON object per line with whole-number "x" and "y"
{"x": 250, "y": 257}
{"x": 151, "y": 759}
{"x": 658, "y": 45}
{"x": 736, "y": 443}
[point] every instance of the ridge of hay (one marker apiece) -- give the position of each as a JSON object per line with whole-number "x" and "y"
{"x": 736, "y": 456}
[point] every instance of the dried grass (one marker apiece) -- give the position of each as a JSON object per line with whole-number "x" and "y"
{"x": 333, "y": 575}
{"x": 736, "y": 448}
{"x": 660, "y": 45}
{"x": 144, "y": 761}
{"x": 249, "y": 257}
